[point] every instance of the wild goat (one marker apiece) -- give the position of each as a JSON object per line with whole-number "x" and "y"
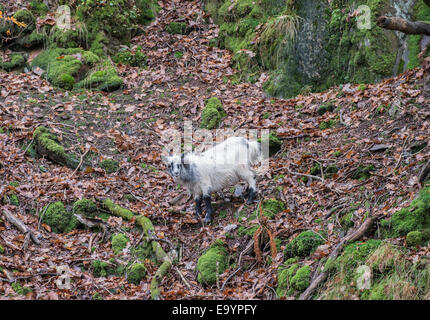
{"x": 215, "y": 169}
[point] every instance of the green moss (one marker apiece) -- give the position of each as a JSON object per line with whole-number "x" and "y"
{"x": 327, "y": 124}
{"x": 27, "y": 17}
{"x": 363, "y": 172}
{"x": 138, "y": 59}
{"x": 105, "y": 79}
{"x": 1, "y": 249}
{"x": 417, "y": 238}
{"x": 109, "y": 165}
{"x": 212, "y": 114}
{"x": 47, "y": 144}
{"x": 13, "y": 199}
{"x": 58, "y": 218}
{"x": 85, "y": 207}
{"x": 212, "y": 263}
{"x": 416, "y": 217}
{"x": 301, "y": 280}
{"x": 303, "y": 245}
{"x": 275, "y": 143}
{"x": 285, "y": 274}
{"x": 178, "y": 28}
{"x": 271, "y": 207}
{"x": 38, "y": 8}
{"x": 103, "y": 269}
{"x": 136, "y": 273}
{"x": 19, "y": 289}
{"x": 119, "y": 242}
{"x": 16, "y": 60}
{"x": 328, "y": 107}
{"x": 116, "y": 210}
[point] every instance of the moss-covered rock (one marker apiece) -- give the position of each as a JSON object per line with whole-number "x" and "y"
{"x": 301, "y": 280}
{"x": 178, "y": 28}
{"x": 105, "y": 78}
{"x": 58, "y": 218}
{"x": 38, "y": 8}
{"x": 136, "y": 59}
{"x": 303, "y": 245}
{"x": 119, "y": 242}
{"x": 85, "y": 207}
{"x": 47, "y": 144}
{"x": 212, "y": 263}
{"x": 136, "y": 273}
{"x": 417, "y": 238}
{"x": 16, "y": 60}
{"x": 212, "y": 114}
{"x": 27, "y": 17}
{"x": 416, "y": 217}
{"x": 104, "y": 269}
{"x": 109, "y": 165}
{"x": 63, "y": 67}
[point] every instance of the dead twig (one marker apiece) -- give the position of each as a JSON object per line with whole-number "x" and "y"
{"x": 19, "y": 224}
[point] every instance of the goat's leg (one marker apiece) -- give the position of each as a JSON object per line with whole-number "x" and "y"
{"x": 198, "y": 208}
{"x": 209, "y": 209}
{"x": 252, "y": 186}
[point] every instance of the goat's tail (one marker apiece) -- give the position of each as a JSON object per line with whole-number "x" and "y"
{"x": 254, "y": 151}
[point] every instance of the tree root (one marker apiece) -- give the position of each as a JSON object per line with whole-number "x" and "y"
{"x": 166, "y": 259}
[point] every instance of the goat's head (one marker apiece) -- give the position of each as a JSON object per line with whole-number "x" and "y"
{"x": 176, "y": 165}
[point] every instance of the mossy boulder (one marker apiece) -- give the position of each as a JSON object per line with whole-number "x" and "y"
{"x": 417, "y": 238}
{"x": 178, "y": 28}
{"x": 106, "y": 268}
{"x": 105, "y": 78}
{"x": 85, "y": 208}
{"x": 47, "y": 144}
{"x": 212, "y": 114}
{"x": 301, "y": 280}
{"x": 109, "y": 165}
{"x": 416, "y": 217}
{"x": 303, "y": 245}
{"x": 16, "y": 60}
{"x": 212, "y": 263}
{"x": 136, "y": 59}
{"x": 137, "y": 273}
{"x": 58, "y": 218}
{"x": 64, "y": 67}
{"x": 119, "y": 242}
{"x": 38, "y": 8}
{"x": 118, "y": 19}
{"x": 27, "y": 17}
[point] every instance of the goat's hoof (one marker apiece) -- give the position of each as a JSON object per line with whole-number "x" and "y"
{"x": 207, "y": 220}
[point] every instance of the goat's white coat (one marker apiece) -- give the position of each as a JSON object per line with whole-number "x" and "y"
{"x": 221, "y": 166}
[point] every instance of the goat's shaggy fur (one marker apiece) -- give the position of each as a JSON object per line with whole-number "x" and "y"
{"x": 215, "y": 169}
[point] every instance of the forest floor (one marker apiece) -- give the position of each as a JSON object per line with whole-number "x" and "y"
{"x": 384, "y": 125}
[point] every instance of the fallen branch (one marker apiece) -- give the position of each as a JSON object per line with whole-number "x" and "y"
{"x": 402, "y": 25}
{"x": 19, "y": 224}
{"x": 80, "y": 162}
{"x": 319, "y": 278}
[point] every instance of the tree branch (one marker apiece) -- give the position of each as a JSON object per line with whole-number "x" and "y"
{"x": 408, "y": 27}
